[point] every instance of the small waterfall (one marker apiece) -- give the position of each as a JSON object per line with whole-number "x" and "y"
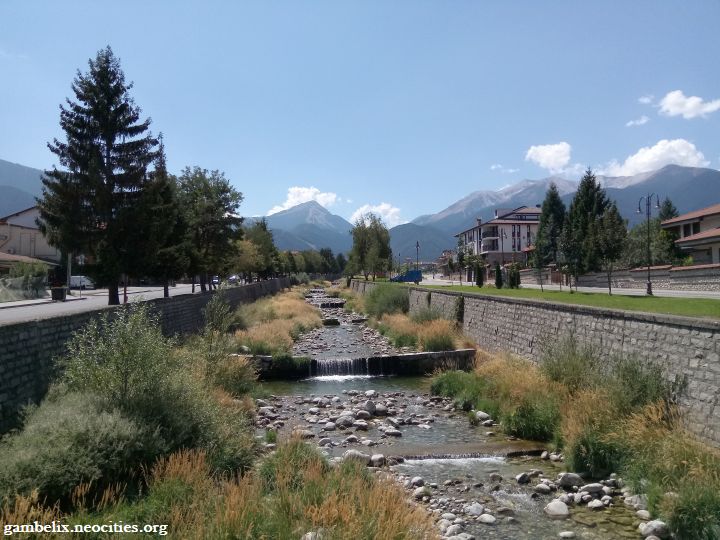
{"x": 325, "y": 367}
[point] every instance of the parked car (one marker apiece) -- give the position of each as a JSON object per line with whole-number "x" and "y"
{"x": 234, "y": 279}
{"x": 216, "y": 280}
{"x": 81, "y": 282}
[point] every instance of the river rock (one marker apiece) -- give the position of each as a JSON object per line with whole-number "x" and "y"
{"x": 350, "y": 439}
{"x": 475, "y": 509}
{"x": 330, "y": 426}
{"x": 654, "y": 528}
{"x": 543, "y": 489}
{"x": 370, "y": 393}
{"x": 363, "y": 415}
{"x": 421, "y": 492}
{"x": 361, "y": 425}
{"x": 567, "y": 534}
{"x": 592, "y": 488}
{"x": 487, "y": 519}
{"x": 312, "y": 535}
{"x": 417, "y": 481}
{"x": 482, "y": 416}
{"x": 643, "y": 514}
{"x": 452, "y": 530}
{"x": 523, "y": 478}
{"x": 596, "y": 504}
{"x": 557, "y": 509}
{"x": 569, "y": 480}
{"x": 495, "y": 477}
{"x": 324, "y": 441}
{"x": 449, "y": 516}
{"x": 638, "y": 502}
{"x": 303, "y": 433}
{"x": 377, "y": 460}
{"x": 344, "y": 421}
{"x": 356, "y": 455}
{"x": 369, "y": 406}
{"x": 381, "y": 410}
{"x": 393, "y": 432}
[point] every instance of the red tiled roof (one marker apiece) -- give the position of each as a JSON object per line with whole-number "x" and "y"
{"x": 694, "y": 267}
{"x": 711, "y": 233}
{"x": 709, "y": 211}
{"x": 9, "y": 258}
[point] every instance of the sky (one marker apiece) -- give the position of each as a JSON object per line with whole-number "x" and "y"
{"x": 399, "y": 107}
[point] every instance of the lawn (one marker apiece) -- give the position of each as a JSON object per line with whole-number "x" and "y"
{"x": 689, "y": 307}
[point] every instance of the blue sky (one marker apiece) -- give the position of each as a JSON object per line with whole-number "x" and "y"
{"x": 402, "y": 106}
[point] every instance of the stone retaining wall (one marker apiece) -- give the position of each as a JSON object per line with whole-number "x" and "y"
{"x": 685, "y": 347}
{"x": 27, "y": 349}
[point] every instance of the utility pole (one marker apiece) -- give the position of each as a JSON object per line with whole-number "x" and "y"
{"x": 417, "y": 255}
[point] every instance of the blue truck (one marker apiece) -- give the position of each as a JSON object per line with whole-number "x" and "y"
{"x": 414, "y": 276}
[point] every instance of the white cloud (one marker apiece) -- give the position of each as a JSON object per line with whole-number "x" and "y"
{"x": 639, "y": 122}
{"x": 298, "y": 195}
{"x": 390, "y": 214}
{"x": 650, "y": 158}
{"x": 502, "y": 169}
{"x": 676, "y": 103}
{"x": 646, "y": 99}
{"x": 553, "y": 157}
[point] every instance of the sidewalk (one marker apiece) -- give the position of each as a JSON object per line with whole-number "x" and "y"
{"x": 36, "y": 301}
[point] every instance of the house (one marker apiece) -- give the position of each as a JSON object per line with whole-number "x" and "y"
{"x": 698, "y": 234}
{"x": 20, "y": 235}
{"x": 506, "y": 237}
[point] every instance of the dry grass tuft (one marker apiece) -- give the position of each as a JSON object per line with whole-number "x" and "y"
{"x": 27, "y": 510}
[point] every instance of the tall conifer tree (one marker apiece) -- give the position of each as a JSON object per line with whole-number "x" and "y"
{"x": 88, "y": 204}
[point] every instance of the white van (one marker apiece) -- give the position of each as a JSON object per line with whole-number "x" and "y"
{"x": 81, "y": 282}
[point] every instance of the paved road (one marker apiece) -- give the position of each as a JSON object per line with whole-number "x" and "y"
{"x": 90, "y": 300}
{"x": 429, "y": 280}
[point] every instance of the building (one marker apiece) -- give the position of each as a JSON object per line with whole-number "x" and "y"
{"x": 506, "y": 237}
{"x": 698, "y": 234}
{"x": 20, "y": 235}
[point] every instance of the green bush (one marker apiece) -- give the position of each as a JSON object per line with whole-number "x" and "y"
{"x": 536, "y": 418}
{"x": 286, "y": 366}
{"x": 468, "y": 390}
{"x": 127, "y": 363}
{"x": 68, "y": 440}
{"x": 387, "y": 298}
{"x": 498, "y": 276}
{"x": 635, "y": 383}
{"x": 695, "y": 515}
{"x": 592, "y": 453}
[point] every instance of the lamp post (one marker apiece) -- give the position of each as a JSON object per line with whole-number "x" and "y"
{"x": 502, "y": 244}
{"x": 648, "y": 201}
{"x": 417, "y": 255}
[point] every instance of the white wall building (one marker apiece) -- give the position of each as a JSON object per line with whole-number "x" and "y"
{"x": 20, "y": 235}
{"x": 698, "y": 234}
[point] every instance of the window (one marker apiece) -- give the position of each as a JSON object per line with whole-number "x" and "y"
{"x": 695, "y": 228}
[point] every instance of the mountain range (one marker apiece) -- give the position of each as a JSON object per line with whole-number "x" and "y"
{"x": 311, "y": 226}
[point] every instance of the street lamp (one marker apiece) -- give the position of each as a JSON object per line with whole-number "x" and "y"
{"x": 648, "y": 201}
{"x": 417, "y": 255}
{"x": 503, "y": 235}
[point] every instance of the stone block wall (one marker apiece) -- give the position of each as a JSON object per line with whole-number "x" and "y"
{"x": 686, "y": 348}
{"x": 28, "y": 349}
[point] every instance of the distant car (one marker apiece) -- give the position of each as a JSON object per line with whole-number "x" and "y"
{"x": 233, "y": 279}
{"x": 216, "y": 280}
{"x": 81, "y": 282}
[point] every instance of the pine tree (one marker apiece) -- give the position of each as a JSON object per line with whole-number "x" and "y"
{"x": 498, "y": 276}
{"x": 589, "y": 203}
{"x": 552, "y": 218}
{"x": 668, "y": 210}
{"x": 88, "y": 206}
{"x": 612, "y": 235}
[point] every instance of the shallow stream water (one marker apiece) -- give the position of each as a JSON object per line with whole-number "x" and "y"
{"x": 435, "y": 441}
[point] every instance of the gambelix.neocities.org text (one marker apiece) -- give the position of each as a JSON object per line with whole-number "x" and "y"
{"x": 57, "y": 527}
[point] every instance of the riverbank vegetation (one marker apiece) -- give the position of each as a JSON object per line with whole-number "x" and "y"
{"x": 271, "y": 325}
{"x": 388, "y": 307}
{"x": 139, "y": 429}
{"x": 606, "y": 416}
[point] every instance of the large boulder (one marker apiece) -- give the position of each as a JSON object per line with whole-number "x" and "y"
{"x": 569, "y": 480}
{"x": 557, "y": 509}
{"x": 356, "y": 455}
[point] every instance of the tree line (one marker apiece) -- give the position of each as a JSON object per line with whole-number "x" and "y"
{"x": 592, "y": 236}
{"x": 113, "y": 200}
